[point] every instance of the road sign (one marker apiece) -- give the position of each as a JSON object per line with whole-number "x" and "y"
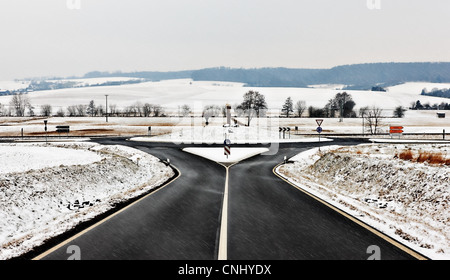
{"x": 319, "y": 130}
{"x": 396, "y": 127}
{"x": 396, "y": 130}
{"x": 319, "y": 122}
{"x": 63, "y": 128}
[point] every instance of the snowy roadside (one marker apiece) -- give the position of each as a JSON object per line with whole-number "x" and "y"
{"x": 393, "y": 188}
{"x": 46, "y": 190}
{"x": 237, "y": 135}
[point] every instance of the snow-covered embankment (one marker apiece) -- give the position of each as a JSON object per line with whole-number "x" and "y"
{"x": 402, "y": 190}
{"x": 46, "y": 190}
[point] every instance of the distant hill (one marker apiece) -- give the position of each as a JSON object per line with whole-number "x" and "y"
{"x": 445, "y": 93}
{"x": 356, "y": 76}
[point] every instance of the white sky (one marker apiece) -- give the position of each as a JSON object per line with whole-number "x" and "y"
{"x": 45, "y": 37}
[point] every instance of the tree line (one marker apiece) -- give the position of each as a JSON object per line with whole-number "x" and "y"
{"x": 445, "y": 93}
{"x": 427, "y": 106}
{"x": 342, "y": 104}
{"x": 20, "y": 106}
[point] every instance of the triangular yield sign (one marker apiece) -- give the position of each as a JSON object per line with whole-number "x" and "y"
{"x": 319, "y": 122}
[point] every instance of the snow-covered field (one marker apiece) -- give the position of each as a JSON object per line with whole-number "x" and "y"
{"x": 13, "y": 85}
{"x": 173, "y": 93}
{"x": 408, "y": 200}
{"x": 414, "y": 122}
{"x": 18, "y": 85}
{"x": 95, "y": 81}
{"x": 22, "y": 158}
{"x": 46, "y": 190}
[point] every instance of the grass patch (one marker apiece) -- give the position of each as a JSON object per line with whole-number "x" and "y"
{"x": 422, "y": 157}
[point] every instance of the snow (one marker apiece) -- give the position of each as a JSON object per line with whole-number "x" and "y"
{"x": 96, "y": 81}
{"x": 21, "y": 158}
{"x": 416, "y": 87}
{"x": 400, "y": 141}
{"x": 413, "y": 122}
{"x": 217, "y": 135}
{"x": 217, "y": 154}
{"x": 13, "y": 85}
{"x": 406, "y": 200}
{"x": 173, "y": 93}
{"x": 86, "y": 179}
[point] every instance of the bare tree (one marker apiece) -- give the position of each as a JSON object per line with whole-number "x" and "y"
{"x": 238, "y": 110}
{"x": 46, "y": 110}
{"x": 60, "y": 112}
{"x": 300, "y": 108}
{"x": 20, "y": 102}
{"x": 30, "y": 110}
{"x": 113, "y": 109}
{"x": 147, "y": 109}
{"x": 129, "y": 111}
{"x": 210, "y": 111}
{"x": 185, "y": 110}
{"x": 363, "y": 111}
{"x": 373, "y": 120}
{"x": 72, "y": 110}
{"x": 157, "y": 110}
{"x": 138, "y": 108}
{"x": 99, "y": 111}
{"x": 81, "y": 110}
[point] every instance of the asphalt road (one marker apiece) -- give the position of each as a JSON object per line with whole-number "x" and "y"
{"x": 271, "y": 220}
{"x": 180, "y": 221}
{"x": 267, "y": 218}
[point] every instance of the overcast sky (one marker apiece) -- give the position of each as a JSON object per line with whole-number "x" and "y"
{"x": 54, "y": 37}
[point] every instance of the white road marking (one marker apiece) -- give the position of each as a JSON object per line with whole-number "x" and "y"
{"x": 223, "y": 237}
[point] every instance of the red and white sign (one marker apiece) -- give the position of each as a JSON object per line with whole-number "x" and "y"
{"x": 396, "y": 129}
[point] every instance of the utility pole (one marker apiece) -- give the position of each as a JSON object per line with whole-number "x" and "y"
{"x": 106, "y": 107}
{"x": 45, "y": 128}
